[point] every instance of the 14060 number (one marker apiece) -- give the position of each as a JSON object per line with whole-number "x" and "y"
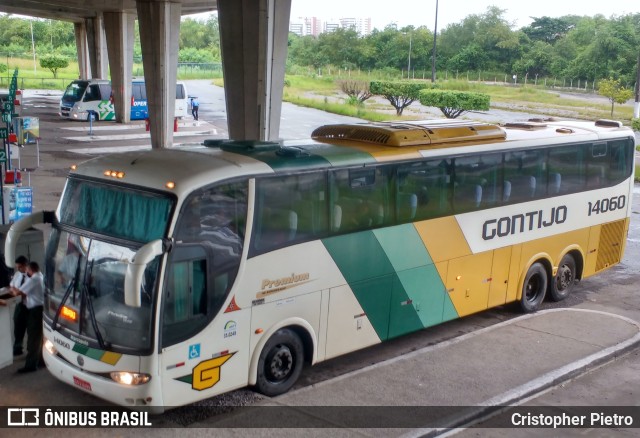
{"x": 607, "y": 204}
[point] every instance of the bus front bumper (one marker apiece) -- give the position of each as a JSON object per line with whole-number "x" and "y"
{"x": 146, "y": 397}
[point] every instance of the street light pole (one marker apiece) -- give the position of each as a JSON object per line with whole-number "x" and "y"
{"x": 433, "y": 59}
{"x": 33, "y": 49}
{"x": 409, "y": 63}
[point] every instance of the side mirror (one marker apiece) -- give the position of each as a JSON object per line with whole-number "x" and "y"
{"x": 135, "y": 271}
{"x": 16, "y": 230}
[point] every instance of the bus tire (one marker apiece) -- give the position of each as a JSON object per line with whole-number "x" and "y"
{"x": 564, "y": 280}
{"x": 280, "y": 363}
{"x": 534, "y": 288}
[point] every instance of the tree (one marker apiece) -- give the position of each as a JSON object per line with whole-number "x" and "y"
{"x": 358, "y": 91}
{"x": 454, "y": 103}
{"x": 614, "y": 91}
{"x": 399, "y": 94}
{"x": 549, "y": 30}
{"x": 53, "y": 63}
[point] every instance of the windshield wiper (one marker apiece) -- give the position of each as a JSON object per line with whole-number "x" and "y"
{"x": 71, "y": 287}
{"x": 89, "y": 301}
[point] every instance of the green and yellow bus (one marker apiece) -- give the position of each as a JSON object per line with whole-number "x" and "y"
{"x": 178, "y": 274}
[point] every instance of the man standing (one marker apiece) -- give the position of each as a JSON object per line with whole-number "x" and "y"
{"x": 32, "y": 292}
{"x": 20, "y": 314}
{"x": 195, "y": 105}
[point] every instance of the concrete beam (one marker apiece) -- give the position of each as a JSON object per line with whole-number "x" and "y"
{"x": 253, "y": 36}
{"x": 97, "y": 45}
{"x": 159, "y": 22}
{"x": 119, "y": 30}
{"x": 80, "y": 32}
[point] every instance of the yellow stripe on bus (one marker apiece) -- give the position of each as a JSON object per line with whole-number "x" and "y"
{"x": 443, "y": 238}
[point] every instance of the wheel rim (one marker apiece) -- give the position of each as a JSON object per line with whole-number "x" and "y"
{"x": 565, "y": 278}
{"x": 533, "y": 287}
{"x": 280, "y": 365}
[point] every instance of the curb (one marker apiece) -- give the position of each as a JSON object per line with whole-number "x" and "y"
{"x": 570, "y": 371}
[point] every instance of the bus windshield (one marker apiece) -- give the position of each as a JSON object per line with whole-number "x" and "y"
{"x": 85, "y": 292}
{"x": 75, "y": 91}
{"x": 114, "y": 211}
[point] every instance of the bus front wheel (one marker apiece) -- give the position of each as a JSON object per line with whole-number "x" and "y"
{"x": 564, "y": 280}
{"x": 534, "y": 288}
{"x": 280, "y": 363}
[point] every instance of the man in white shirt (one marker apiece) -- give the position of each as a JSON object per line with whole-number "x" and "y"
{"x": 32, "y": 292}
{"x": 20, "y": 314}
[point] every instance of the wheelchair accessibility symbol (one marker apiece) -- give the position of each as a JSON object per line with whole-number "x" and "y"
{"x": 194, "y": 351}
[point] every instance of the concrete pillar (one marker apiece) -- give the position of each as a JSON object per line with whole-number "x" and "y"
{"x": 97, "y": 47}
{"x": 253, "y": 38}
{"x": 119, "y": 30}
{"x": 81, "y": 48}
{"x": 159, "y": 22}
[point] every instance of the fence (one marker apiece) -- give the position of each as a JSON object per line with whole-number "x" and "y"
{"x": 37, "y": 83}
{"x": 571, "y": 84}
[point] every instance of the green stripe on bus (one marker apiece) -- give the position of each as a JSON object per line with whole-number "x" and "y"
{"x": 417, "y": 274}
{"x": 425, "y": 289}
{"x": 367, "y": 269}
{"x": 403, "y": 246}
{"x": 359, "y": 256}
{"x": 283, "y": 163}
{"x": 393, "y": 278}
{"x": 449, "y": 313}
{"x": 340, "y": 155}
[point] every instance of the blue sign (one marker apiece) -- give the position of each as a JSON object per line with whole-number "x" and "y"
{"x": 20, "y": 203}
{"x": 194, "y": 351}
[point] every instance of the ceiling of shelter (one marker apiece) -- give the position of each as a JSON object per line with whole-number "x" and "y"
{"x": 76, "y": 10}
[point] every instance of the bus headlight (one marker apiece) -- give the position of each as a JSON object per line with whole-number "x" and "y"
{"x": 127, "y": 378}
{"x": 48, "y": 345}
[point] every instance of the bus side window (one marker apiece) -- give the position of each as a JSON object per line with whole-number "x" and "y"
{"x": 425, "y": 183}
{"x": 92, "y": 93}
{"x": 363, "y": 196}
{"x": 180, "y": 94}
{"x": 620, "y": 161}
{"x": 185, "y": 302}
{"x": 105, "y": 91}
{"x": 138, "y": 91}
{"x": 290, "y": 209}
{"x": 524, "y": 176}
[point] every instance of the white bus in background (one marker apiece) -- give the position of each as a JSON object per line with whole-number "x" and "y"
{"x": 85, "y": 96}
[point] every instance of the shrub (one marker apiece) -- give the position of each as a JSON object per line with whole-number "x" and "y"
{"x": 400, "y": 94}
{"x": 454, "y": 103}
{"x": 53, "y": 63}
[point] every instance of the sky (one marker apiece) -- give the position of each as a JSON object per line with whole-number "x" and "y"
{"x": 422, "y": 12}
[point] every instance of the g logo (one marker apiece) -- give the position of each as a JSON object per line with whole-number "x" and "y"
{"x": 207, "y": 373}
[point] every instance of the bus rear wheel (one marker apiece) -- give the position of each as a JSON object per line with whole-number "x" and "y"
{"x": 564, "y": 280}
{"x": 280, "y": 363}
{"x": 534, "y": 288}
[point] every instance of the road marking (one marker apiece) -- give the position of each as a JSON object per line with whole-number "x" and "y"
{"x": 115, "y": 149}
{"x": 90, "y": 138}
{"x": 119, "y": 126}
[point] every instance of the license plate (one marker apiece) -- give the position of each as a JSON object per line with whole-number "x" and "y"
{"x": 82, "y": 383}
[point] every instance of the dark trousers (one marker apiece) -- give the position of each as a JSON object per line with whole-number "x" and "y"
{"x": 194, "y": 112}
{"x": 19, "y": 326}
{"x": 34, "y": 338}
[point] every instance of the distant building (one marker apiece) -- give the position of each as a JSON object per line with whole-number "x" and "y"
{"x": 360, "y": 25}
{"x": 306, "y": 26}
{"x": 314, "y": 26}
